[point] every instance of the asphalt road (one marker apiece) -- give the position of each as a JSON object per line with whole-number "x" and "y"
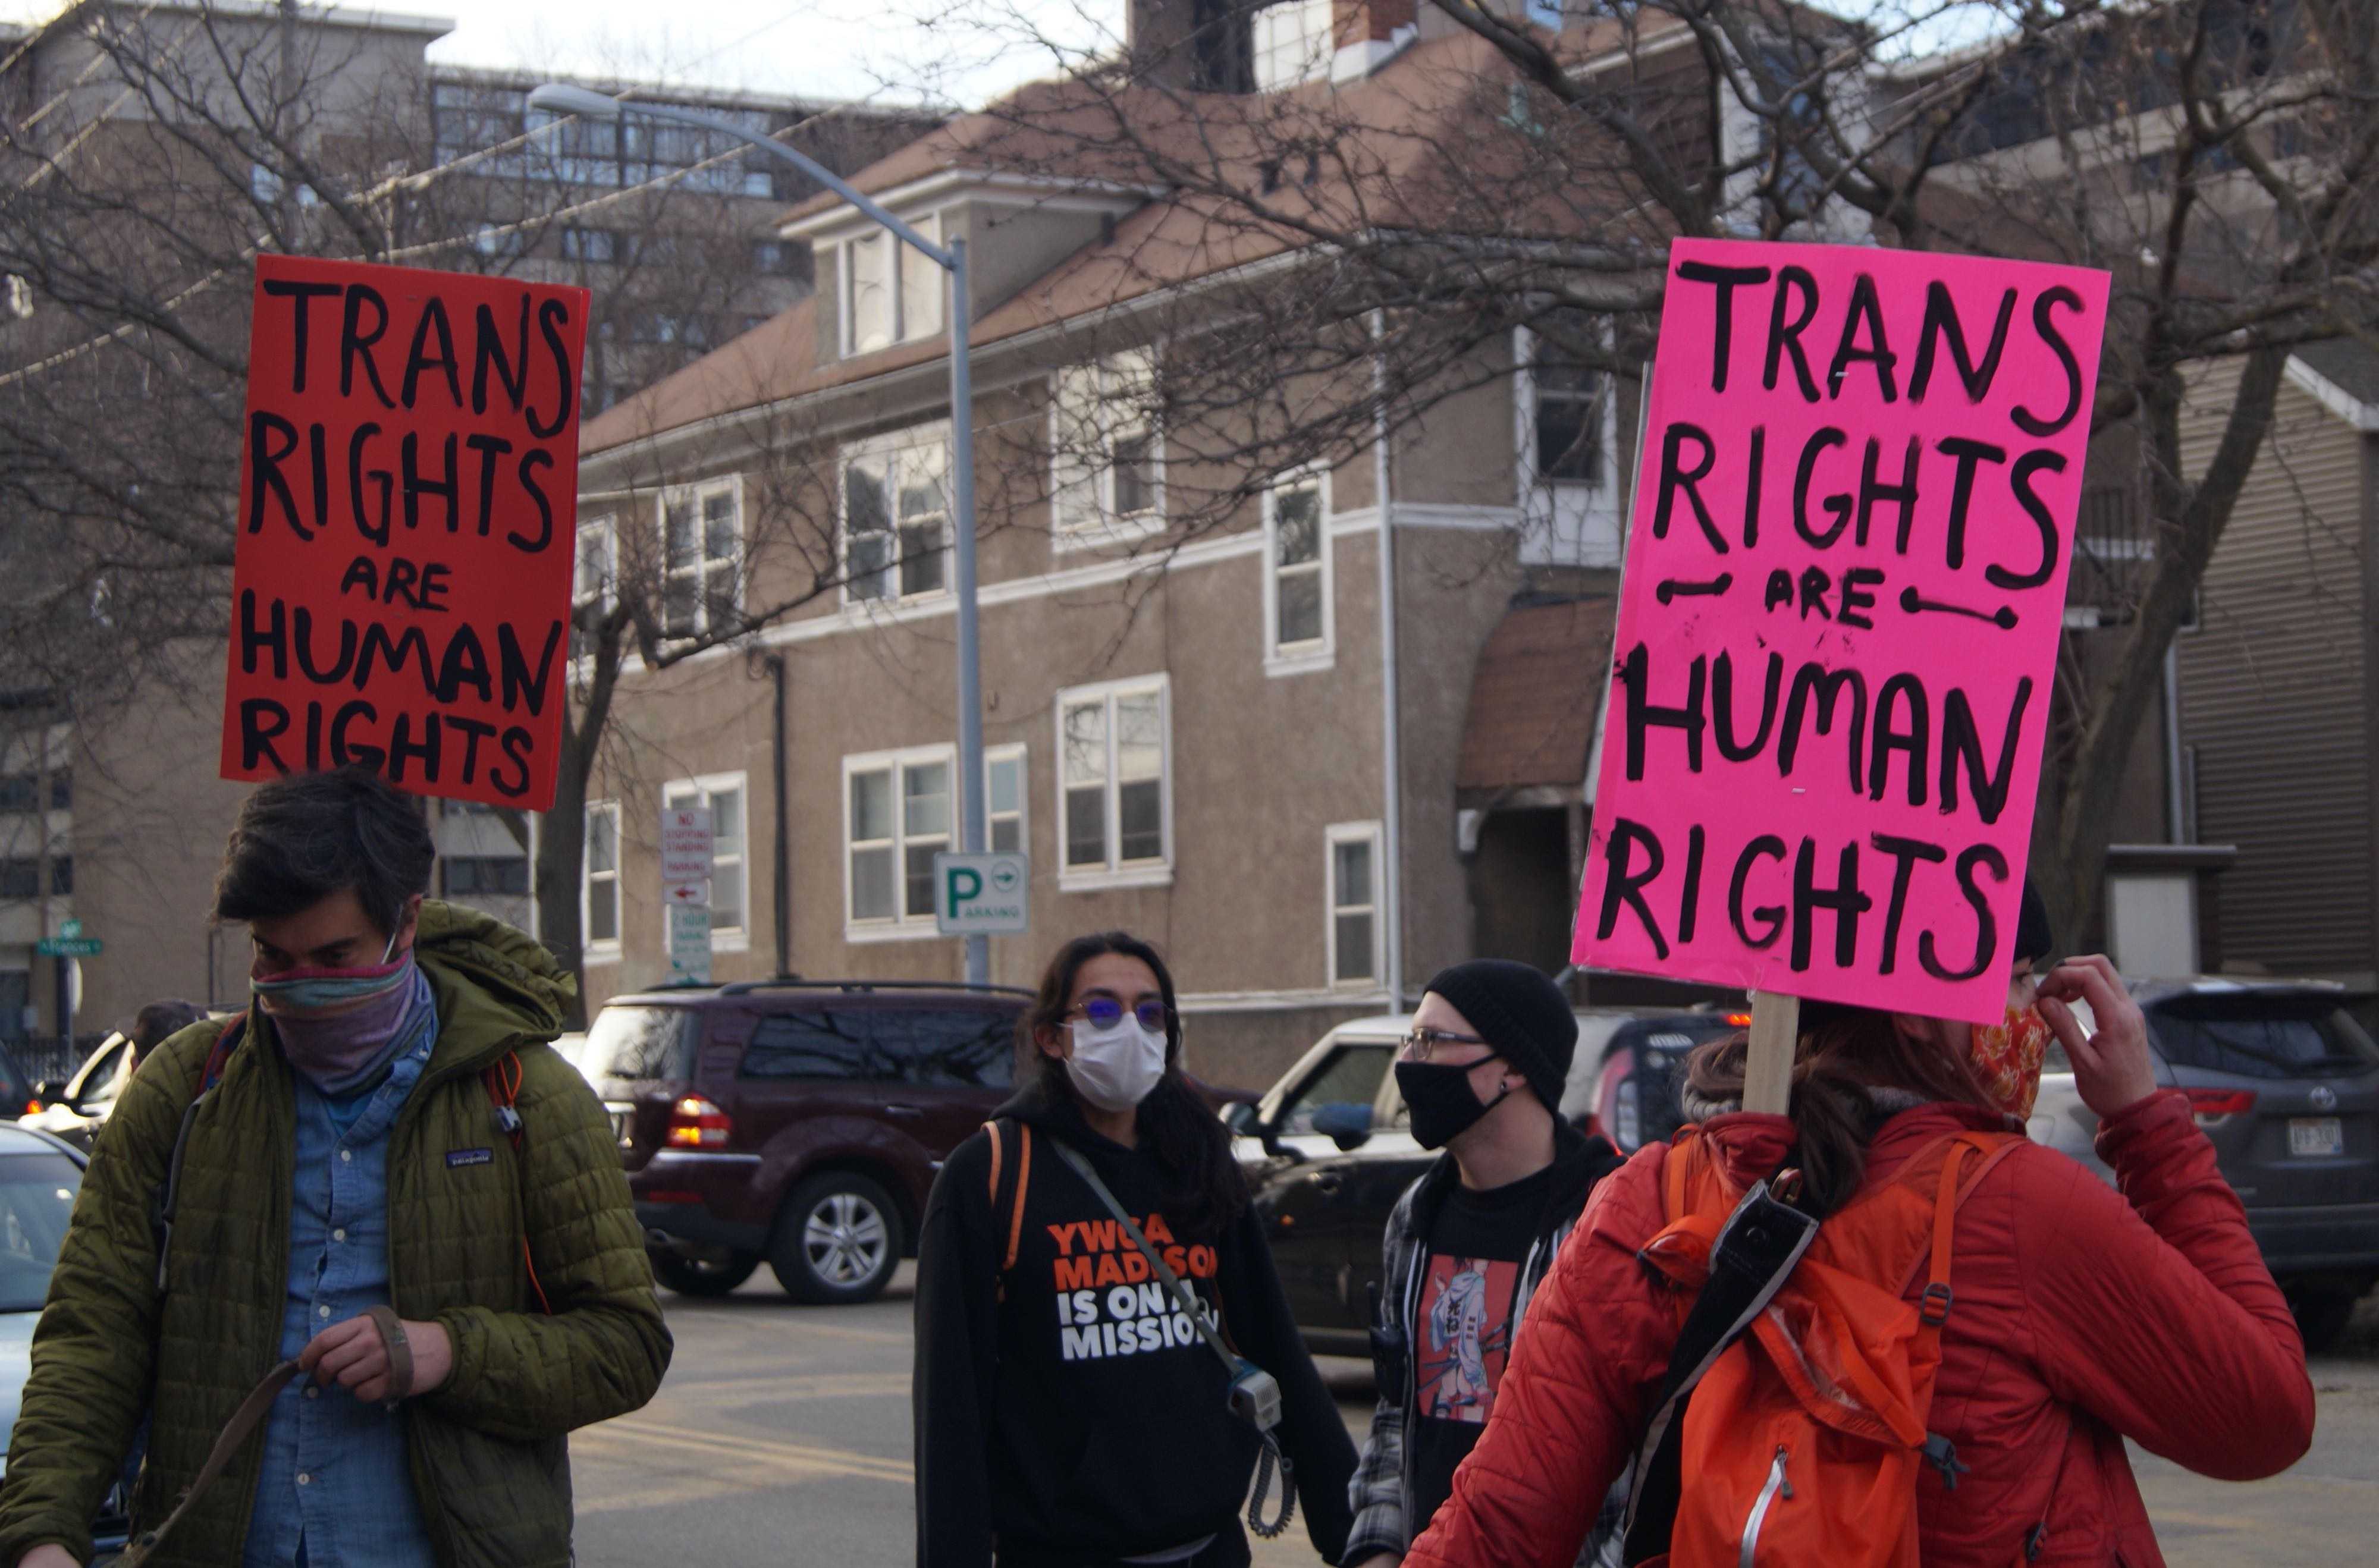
{"x": 782, "y": 1437}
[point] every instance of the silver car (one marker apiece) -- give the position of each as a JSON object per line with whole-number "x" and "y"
{"x": 2286, "y": 1084}
{"x": 38, "y": 1177}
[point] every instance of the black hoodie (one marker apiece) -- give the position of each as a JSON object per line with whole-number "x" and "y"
{"x": 1090, "y": 1423}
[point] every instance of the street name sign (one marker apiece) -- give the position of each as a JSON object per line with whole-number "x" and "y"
{"x": 980, "y": 895}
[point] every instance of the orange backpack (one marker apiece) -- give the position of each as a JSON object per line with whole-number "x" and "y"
{"x": 1806, "y": 1424}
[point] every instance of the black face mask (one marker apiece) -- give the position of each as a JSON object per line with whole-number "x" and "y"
{"x": 1440, "y": 1101}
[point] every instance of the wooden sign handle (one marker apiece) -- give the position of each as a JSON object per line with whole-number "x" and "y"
{"x": 1767, "y": 1066}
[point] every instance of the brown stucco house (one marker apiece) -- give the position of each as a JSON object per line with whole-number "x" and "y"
{"x": 1315, "y": 721}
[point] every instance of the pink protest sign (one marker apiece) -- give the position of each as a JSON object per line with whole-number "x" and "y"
{"x": 1845, "y": 580}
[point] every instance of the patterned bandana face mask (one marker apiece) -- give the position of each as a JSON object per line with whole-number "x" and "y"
{"x": 2007, "y": 1058}
{"x": 334, "y": 1023}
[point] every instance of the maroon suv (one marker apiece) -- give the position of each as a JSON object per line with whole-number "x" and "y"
{"x": 798, "y": 1121}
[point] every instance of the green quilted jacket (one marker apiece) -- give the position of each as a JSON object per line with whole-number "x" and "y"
{"x": 490, "y": 1459}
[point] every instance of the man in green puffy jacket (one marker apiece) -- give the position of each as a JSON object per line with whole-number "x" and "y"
{"x": 385, "y": 1173}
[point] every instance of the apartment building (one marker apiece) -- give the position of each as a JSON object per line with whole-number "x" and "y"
{"x": 674, "y": 234}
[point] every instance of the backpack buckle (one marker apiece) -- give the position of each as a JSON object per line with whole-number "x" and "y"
{"x": 1933, "y": 1307}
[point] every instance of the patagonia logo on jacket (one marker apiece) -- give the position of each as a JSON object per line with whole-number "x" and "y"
{"x": 468, "y": 1157}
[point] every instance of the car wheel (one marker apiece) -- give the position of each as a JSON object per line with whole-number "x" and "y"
{"x": 2323, "y": 1311}
{"x": 700, "y": 1276}
{"x": 837, "y": 1241}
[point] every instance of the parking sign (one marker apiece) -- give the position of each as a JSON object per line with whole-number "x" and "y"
{"x": 980, "y": 895}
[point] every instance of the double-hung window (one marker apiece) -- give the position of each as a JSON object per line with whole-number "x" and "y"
{"x": 1297, "y": 616}
{"x": 890, "y": 292}
{"x": 1354, "y": 884}
{"x": 595, "y": 581}
{"x": 599, "y": 879}
{"x": 1106, "y": 459}
{"x": 702, "y": 551}
{"x": 1569, "y": 422}
{"x": 730, "y": 894}
{"x": 896, "y": 515}
{"x": 899, "y": 810}
{"x": 1115, "y": 784}
{"x": 1003, "y": 793}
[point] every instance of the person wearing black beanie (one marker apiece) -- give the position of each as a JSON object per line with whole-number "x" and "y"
{"x": 1482, "y": 1074}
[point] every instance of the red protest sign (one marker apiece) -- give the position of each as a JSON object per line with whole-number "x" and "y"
{"x": 1845, "y": 586}
{"x": 407, "y": 511}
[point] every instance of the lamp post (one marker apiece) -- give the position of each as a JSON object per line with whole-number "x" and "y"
{"x": 559, "y": 98}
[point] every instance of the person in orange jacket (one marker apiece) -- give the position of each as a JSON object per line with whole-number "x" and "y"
{"x": 2084, "y": 1315}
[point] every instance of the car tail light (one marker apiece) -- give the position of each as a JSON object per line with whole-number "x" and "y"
{"x": 2211, "y": 1106}
{"x": 695, "y": 1123}
{"x": 1738, "y": 1021}
{"x": 670, "y": 1196}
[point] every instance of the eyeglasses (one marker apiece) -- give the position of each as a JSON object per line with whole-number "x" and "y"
{"x": 1106, "y": 1012}
{"x": 1420, "y": 1043}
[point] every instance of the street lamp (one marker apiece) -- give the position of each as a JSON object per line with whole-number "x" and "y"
{"x": 560, "y": 98}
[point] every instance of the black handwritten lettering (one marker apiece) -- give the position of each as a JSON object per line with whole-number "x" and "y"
{"x": 1784, "y": 336}
{"x": 1986, "y": 927}
{"x": 1621, "y": 885}
{"x": 1941, "y": 326}
{"x": 1726, "y": 280}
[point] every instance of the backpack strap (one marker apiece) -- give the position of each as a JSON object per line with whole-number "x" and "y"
{"x": 1008, "y": 1217}
{"x": 166, "y": 1199}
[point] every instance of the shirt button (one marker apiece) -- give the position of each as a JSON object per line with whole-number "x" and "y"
{"x": 346, "y": 1156}
{"x": 304, "y": 1479}
{"x": 313, "y": 1391}
{"x": 322, "y": 1311}
{"x": 339, "y": 1236}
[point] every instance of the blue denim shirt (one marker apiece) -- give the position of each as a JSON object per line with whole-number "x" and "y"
{"x": 336, "y": 1487}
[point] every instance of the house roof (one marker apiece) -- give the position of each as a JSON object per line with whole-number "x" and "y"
{"x": 2347, "y": 365}
{"x": 1535, "y": 696}
{"x": 1427, "y": 144}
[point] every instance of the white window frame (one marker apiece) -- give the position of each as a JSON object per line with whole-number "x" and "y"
{"x": 897, "y": 310}
{"x": 1292, "y": 43}
{"x": 1118, "y": 873}
{"x": 890, "y": 446}
{"x": 1315, "y": 654}
{"x": 698, "y": 496}
{"x": 902, "y": 926}
{"x": 992, "y": 815}
{"x": 606, "y": 592}
{"x": 1563, "y": 522}
{"x": 1111, "y": 388}
{"x": 732, "y": 935}
{"x": 1369, "y": 834}
{"x": 608, "y": 951}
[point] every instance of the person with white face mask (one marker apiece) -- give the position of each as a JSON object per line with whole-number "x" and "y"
{"x": 1068, "y": 1409}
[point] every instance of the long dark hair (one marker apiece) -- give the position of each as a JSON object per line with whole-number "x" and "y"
{"x": 1203, "y": 1188}
{"x": 1845, "y": 1055}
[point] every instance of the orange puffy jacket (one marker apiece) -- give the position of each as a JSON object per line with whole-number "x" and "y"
{"x": 2082, "y": 1317}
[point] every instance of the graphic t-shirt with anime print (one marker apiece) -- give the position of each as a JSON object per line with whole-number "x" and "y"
{"x": 1462, "y": 1333}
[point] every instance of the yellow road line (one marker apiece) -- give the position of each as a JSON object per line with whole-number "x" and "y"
{"x": 622, "y": 1437}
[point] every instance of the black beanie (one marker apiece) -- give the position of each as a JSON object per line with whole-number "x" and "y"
{"x": 1519, "y": 1012}
{"x": 2034, "y": 937}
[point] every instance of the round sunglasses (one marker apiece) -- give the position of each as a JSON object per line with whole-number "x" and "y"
{"x": 1106, "y": 1012}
